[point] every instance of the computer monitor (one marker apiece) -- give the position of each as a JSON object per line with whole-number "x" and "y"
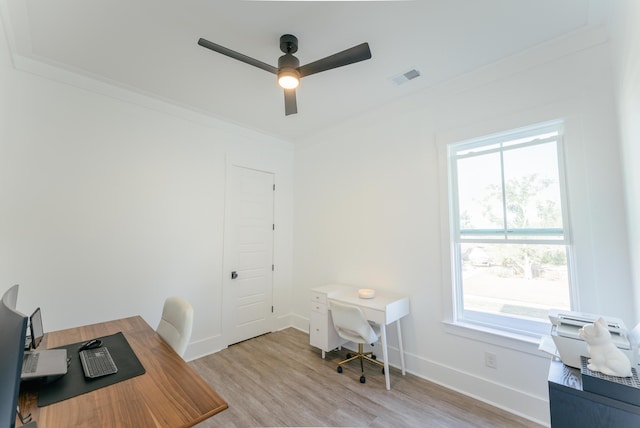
{"x": 12, "y": 337}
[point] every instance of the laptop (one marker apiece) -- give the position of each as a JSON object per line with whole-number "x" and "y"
{"x": 43, "y": 363}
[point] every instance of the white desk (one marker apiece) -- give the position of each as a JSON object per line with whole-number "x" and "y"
{"x": 383, "y": 310}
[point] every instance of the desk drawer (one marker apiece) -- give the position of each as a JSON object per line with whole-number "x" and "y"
{"x": 318, "y": 297}
{"x": 319, "y": 307}
{"x": 318, "y": 331}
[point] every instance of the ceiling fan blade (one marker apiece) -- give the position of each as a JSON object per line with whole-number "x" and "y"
{"x": 290, "y": 104}
{"x": 352, "y": 55}
{"x": 236, "y": 55}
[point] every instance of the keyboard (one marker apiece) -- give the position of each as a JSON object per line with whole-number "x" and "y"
{"x": 30, "y": 362}
{"x": 97, "y": 362}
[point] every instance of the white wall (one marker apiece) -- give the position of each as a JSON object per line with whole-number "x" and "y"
{"x": 370, "y": 208}
{"x": 625, "y": 28}
{"x": 111, "y": 202}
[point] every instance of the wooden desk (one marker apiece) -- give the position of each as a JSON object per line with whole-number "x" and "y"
{"x": 385, "y": 309}
{"x": 169, "y": 394}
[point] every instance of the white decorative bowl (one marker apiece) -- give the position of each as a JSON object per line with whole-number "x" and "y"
{"x": 366, "y": 293}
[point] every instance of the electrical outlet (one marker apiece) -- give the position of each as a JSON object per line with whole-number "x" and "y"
{"x": 490, "y": 360}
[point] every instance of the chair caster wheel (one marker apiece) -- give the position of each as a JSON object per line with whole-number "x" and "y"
{"x": 362, "y": 379}
{"x": 339, "y": 369}
{"x": 374, "y": 357}
{"x": 348, "y": 356}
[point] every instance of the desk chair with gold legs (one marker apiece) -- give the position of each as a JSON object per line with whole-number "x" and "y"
{"x": 351, "y": 324}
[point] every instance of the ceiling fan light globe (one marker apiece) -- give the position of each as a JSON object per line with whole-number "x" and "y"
{"x": 288, "y": 79}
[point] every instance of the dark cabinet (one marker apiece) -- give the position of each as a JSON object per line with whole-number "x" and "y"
{"x": 571, "y": 407}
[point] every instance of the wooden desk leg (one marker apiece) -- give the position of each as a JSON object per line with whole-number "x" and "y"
{"x": 400, "y": 346}
{"x": 385, "y": 354}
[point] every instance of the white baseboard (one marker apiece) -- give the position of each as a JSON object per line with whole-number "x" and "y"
{"x": 498, "y": 395}
{"x": 204, "y": 347}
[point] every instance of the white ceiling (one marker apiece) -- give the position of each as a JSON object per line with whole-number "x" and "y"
{"x": 150, "y": 46}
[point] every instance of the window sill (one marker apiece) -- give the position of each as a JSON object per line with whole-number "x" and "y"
{"x": 496, "y": 337}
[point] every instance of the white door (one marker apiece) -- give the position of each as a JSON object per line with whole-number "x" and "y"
{"x": 249, "y": 229}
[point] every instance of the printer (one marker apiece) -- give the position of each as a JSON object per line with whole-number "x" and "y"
{"x": 565, "y": 326}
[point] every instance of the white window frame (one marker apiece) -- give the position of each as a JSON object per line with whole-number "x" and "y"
{"x": 503, "y": 324}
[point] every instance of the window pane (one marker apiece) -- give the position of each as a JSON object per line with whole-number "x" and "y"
{"x": 511, "y": 259}
{"x": 532, "y": 187}
{"x": 479, "y": 192}
{"x": 515, "y": 279}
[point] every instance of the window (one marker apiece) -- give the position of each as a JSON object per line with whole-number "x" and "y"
{"x": 509, "y": 229}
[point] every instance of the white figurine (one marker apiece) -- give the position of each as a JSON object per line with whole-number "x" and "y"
{"x": 605, "y": 356}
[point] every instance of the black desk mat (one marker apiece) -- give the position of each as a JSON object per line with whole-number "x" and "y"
{"x": 74, "y": 383}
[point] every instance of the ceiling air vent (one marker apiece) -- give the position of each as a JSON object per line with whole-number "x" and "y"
{"x": 405, "y": 77}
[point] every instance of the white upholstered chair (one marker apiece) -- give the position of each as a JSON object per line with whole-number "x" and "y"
{"x": 351, "y": 324}
{"x": 176, "y": 323}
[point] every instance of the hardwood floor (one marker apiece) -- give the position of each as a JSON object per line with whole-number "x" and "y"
{"x": 278, "y": 379}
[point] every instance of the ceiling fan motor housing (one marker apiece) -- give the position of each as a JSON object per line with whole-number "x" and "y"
{"x": 288, "y": 74}
{"x": 288, "y": 61}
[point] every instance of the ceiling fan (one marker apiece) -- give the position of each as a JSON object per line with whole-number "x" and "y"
{"x": 289, "y": 70}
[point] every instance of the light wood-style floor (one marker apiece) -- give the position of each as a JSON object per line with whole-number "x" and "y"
{"x": 278, "y": 379}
